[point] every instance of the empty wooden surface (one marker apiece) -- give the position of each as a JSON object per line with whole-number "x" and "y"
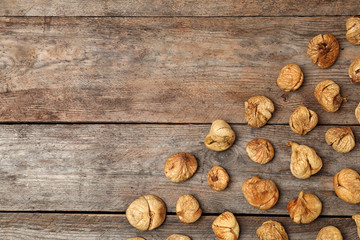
{"x": 178, "y": 8}
{"x": 105, "y": 226}
{"x": 180, "y": 70}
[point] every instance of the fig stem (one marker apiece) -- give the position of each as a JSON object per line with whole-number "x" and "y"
{"x": 301, "y": 194}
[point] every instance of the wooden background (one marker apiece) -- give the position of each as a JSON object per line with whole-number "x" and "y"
{"x": 95, "y": 95}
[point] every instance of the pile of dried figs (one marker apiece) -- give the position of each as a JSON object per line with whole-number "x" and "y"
{"x": 149, "y": 212}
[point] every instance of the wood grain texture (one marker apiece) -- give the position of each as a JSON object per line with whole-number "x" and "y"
{"x": 183, "y": 70}
{"x": 106, "y": 167}
{"x": 106, "y": 227}
{"x": 177, "y": 8}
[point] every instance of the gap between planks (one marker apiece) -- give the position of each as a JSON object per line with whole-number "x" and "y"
{"x": 152, "y": 123}
{"x": 183, "y": 16}
{"x": 167, "y": 213}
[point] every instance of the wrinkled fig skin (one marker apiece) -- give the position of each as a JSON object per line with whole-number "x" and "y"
{"x": 258, "y": 111}
{"x": 146, "y": 213}
{"x": 221, "y": 136}
{"x": 271, "y": 230}
{"x": 328, "y": 95}
{"x": 226, "y": 227}
{"x": 347, "y": 185}
{"x": 218, "y": 178}
{"x": 304, "y": 161}
{"x": 188, "y": 209}
{"x": 136, "y": 238}
{"x": 180, "y": 167}
{"x": 357, "y": 113}
{"x": 356, "y": 217}
{"x": 341, "y": 139}
{"x": 290, "y": 79}
{"x": 303, "y": 120}
{"x": 304, "y": 209}
{"x": 323, "y": 50}
{"x": 178, "y": 237}
{"x": 260, "y": 193}
{"x": 260, "y": 151}
{"x": 329, "y": 233}
{"x": 354, "y": 70}
{"x": 353, "y": 30}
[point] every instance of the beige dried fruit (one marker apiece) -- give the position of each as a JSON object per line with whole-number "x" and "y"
{"x": 347, "y": 185}
{"x": 180, "y": 167}
{"x": 260, "y": 193}
{"x": 136, "y": 238}
{"x": 218, "y": 178}
{"x": 329, "y": 233}
{"x": 146, "y": 213}
{"x": 260, "y": 151}
{"x": 226, "y": 227}
{"x": 291, "y": 77}
{"x": 271, "y": 230}
{"x": 188, "y": 209}
{"x": 303, "y": 120}
{"x": 178, "y": 237}
{"x": 353, "y": 30}
{"x": 354, "y": 70}
{"x": 258, "y": 111}
{"x": 304, "y": 209}
{"x": 356, "y": 217}
{"x": 341, "y": 139}
{"x": 357, "y": 113}
{"x": 323, "y": 50}
{"x": 304, "y": 161}
{"x": 328, "y": 95}
{"x": 220, "y": 137}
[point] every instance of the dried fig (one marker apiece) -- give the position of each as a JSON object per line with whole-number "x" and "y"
{"x": 188, "y": 209}
{"x": 290, "y": 79}
{"x": 220, "y": 137}
{"x": 218, "y": 178}
{"x": 146, "y": 213}
{"x": 260, "y": 193}
{"x": 328, "y": 95}
{"x": 271, "y": 230}
{"x": 304, "y": 209}
{"x": 329, "y": 233}
{"x": 357, "y": 113}
{"x": 303, "y": 120}
{"x": 356, "y": 217}
{"x": 180, "y": 167}
{"x": 178, "y": 237}
{"x": 304, "y": 161}
{"x": 260, "y": 151}
{"x": 341, "y": 139}
{"x": 353, "y": 30}
{"x": 258, "y": 111}
{"x": 136, "y": 238}
{"x": 347, "y": 185}
{"x": 226, "y": 227}
{"x": 323, "y": 50}
{"x": 354, "y": 70}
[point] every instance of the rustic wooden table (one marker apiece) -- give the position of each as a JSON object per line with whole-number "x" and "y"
{"x": 96, "y": 94}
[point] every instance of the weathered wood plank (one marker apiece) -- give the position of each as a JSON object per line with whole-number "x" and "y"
{"x": 106, "y": 167}
{"x": 96, "y": 226}
{"x": 187, "y": 70}
{"x": 177, "y": 8}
